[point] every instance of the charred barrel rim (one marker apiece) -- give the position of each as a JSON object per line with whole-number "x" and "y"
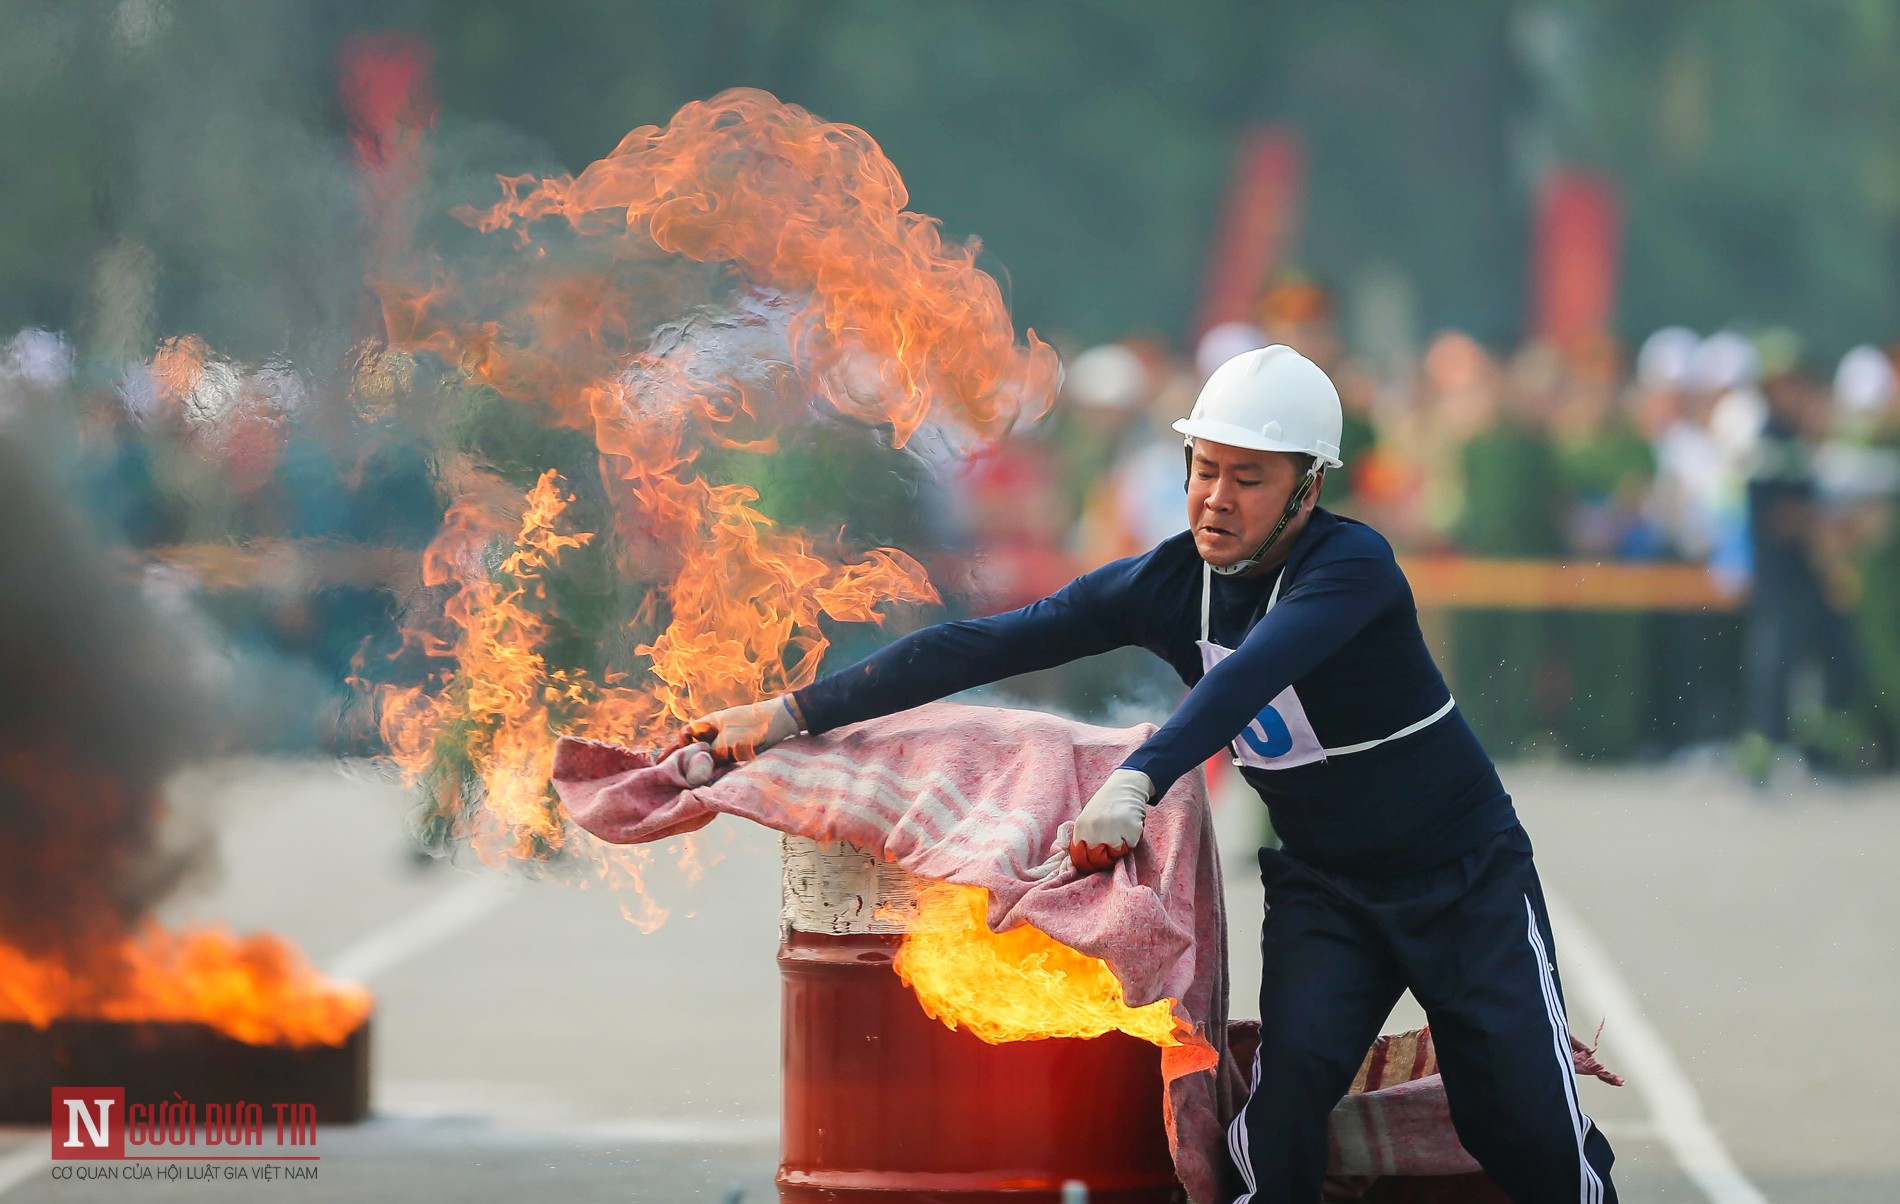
{"x": 154, "y": 1059}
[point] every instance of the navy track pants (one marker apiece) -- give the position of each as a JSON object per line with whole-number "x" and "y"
{"x": 1472, "y": 941}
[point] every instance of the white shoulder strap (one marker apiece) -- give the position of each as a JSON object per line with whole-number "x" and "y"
{"x": 1207, "y": 585}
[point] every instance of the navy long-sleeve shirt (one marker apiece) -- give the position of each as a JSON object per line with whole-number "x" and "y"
{"x": 1344, "y": 633}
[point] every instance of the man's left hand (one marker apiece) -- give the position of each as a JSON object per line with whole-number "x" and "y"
{"x": 1109, "y": 828}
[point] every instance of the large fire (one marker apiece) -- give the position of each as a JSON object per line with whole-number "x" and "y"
{"x": 707, "y": 291}
{"x": 713, "y": 286}
{"x": 1020, "y": 985}
{"x": 257, "y": 989}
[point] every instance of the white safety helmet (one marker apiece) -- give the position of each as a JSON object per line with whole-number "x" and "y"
{"x": 1664, "y": 360}
{"x": 1724, "y": 361}
{"x": 1865, "y": 382}
{"x": 1270, "y": 399}
{"x": 1109, "y": 377}
{"x": 1224, "y": 342}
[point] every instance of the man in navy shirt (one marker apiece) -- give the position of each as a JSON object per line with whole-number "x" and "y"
{"x": 1403, "y": 863}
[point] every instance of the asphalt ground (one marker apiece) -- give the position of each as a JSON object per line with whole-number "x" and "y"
{"x": 531, "y": 1044}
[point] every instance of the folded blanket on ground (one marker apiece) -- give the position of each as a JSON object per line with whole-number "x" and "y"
{"x": 983, "y": 796}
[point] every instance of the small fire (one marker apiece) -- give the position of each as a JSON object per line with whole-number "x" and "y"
{"x": 1020, "y": 985}
{"x": 75, "y": 933}
{"x": 257, "y": 989}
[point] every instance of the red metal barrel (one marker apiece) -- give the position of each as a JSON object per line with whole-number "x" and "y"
{"x": 885, "y": 1104}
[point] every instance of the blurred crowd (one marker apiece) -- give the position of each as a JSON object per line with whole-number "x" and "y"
{"x": 1733, "y": 451}
{"x": 255, "y": 514}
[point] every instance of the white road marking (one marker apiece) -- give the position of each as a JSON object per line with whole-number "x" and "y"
{"x": 1634, "y": 1130}
{"x": 22, "y": 1164}
{"x": 1674, "y": 1108}
{"x": 437, "y": 920}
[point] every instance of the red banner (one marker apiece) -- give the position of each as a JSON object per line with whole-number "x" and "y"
{"x": 1257, "y": 224}
{"x": 1574, "y": 257}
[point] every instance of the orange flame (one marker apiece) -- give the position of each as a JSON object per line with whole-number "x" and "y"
{"x": 821, "y": 286}
{"x": 88, "y": 957}
{"x": 898, "y": 321}
{"x": 1020, "y": 985}
{"x": 257, "y": 989}
{"x": 507, "y": 699}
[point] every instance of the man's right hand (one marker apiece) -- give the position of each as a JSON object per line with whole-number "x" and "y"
{"x": 740, "y": 733}
{"x": 1109, "y": 827}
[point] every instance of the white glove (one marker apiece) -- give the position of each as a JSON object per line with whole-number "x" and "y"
{"x": 1110, "y": 826}
{"x": 696, "y": 765}
{"x": 741, "y": 733}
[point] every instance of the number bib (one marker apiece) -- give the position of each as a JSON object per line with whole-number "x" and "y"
{"x": 1280, "y": 736}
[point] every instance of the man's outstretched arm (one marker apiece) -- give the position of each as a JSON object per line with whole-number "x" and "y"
{"x": 1076, "y": 621}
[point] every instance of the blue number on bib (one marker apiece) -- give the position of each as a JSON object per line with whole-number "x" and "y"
{"x": 1267, "y": 735}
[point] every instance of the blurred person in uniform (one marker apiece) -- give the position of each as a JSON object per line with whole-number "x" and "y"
{"x": 1858, "y": 474}
{"x": 1791, "y": 620}
{"x": 1409, "y": 480}
{"x": 1404, "y": 864}
{"x": 159, "y": 405}
{"x": 1694, "y": 701}
{"x": 1688, "y": 463}
{"x": 1297, "y": 311}
{"x": 36, "y": 368}
{"x": 119, "y": 478}
{"x": 1104, "y": 393}
{"x": 1609, "y": 466}
{"x": 1608, "y": 469}
{"x": 1012, "y": 504}
{"x": 85, "y": 435}
{"x": 1108, "y": 449}
{"x": 1458, "y": 401}
{"x": 351, "y": 475}
{"x": 1724, "y": 387}
{"x": 1386, "y": 485}
{"x": 1142, "y": 497}
{"x": 1503, "y": 660}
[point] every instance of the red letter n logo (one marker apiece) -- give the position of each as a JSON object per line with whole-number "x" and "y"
{"x": 88, "y": 1122}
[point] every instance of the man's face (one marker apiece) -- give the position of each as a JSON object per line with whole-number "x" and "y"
{"x": 1235, "y": 496}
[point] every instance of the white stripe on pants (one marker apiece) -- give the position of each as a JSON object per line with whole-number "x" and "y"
{"x": 1237, "y": 1133}
{"x": 1591, "y": 1187}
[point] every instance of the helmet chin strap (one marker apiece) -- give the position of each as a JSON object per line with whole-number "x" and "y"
{"x": 1293, "y": 504}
